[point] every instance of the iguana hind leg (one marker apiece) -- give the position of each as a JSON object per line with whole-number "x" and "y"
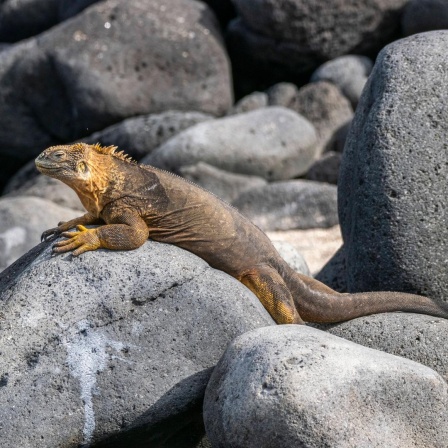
{"x": 267, "y": 284}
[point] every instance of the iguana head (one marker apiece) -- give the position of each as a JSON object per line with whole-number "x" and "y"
{"x": 81, "y": 166}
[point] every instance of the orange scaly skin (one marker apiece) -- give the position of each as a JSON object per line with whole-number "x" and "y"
{"x": 136, "y": 202}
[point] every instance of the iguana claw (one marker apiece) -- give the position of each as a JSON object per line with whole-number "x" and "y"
{"x": 50, "y": 234}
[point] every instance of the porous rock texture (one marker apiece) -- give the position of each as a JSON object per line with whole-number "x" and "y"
{"x": 277, "y": 40}
{"x": 272, "y": 142}
{"x": 139, "y": 136}
{"x": 23, "y": 219}
{"x": 392, "y": 186}
{"x": 413, "y": 336}
{"x": 293, "y": 204}
{"x": 110, "y": 62}
{"x": 114, "y": 348}
{"x": 291, "y": 386}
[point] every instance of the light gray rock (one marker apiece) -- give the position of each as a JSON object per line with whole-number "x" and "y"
{"x": 424, "y": 15}
{"x": 139, "y": 136}
{"x": 294, "y": 258}
{"x": 114, "y": 348}
{"x": 110, "y": 62}
{"x": 413, "y": 336}
{"x": 253, "y": 101}
{"x": 326, "y": 168}
{"x": 392, "y": 186}
{"x": 323, "y": 104}
{"x": 291, "y": 386}
{"x": 273, "y": 143}
{"x": 50, "y": 189}
{"x": 294, "y": 204}
{"x": 228, "y": 186}
{"x": 23, "y": 221}
{"x": 283, "y": 94}
{"x": 349, "y": 73}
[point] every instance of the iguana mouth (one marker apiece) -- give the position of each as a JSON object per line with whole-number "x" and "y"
{"x": 47, "y": 167}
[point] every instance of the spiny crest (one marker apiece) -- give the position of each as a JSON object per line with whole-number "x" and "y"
{"x": 112, "y": 151}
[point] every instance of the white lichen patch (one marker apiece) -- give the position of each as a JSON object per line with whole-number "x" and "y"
{"x": 11, "y": 238}
{"x": 87, "y": 356}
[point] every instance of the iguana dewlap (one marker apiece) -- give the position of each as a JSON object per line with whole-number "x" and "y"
{"x": 134, "y": 202}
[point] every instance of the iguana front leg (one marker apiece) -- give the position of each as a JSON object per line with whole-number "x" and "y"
{"x": 123, "y": 231}
{"x": 84, "y": 220}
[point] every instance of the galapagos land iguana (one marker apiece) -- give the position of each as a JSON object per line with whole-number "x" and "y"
{"x": 134, "y": 202}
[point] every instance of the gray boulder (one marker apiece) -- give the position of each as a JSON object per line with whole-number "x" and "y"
{"x": 326, "y": 168}
{"x": 424, "y": 15}
{"x": 273, "y": 143}
{"x": 349, "y": 73}
{"x": 323, "y": 104}
{"x": 50, "y": 189}
{"x": 291, "y": 386}
{"x": 114, "y": 348}
{"x": 110, "y": 62}
{"x": 139, "y": 136}
{"x": 334, "y": 272}
{"x": 277, "y": 40}
{"x": 283, "y": 94}
{"x": 392, "y": 186}
{"x": 228, "y": 186}
{"x": 253, "y": 101}
{"x": 294, "y": 204}
{"x": 23, "y": 221}
{"x": 413, "y": 336}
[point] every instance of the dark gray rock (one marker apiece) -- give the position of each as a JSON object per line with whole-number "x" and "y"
{"x": 110, "y": 62}
{"x": 334, "y": 273}
{"x": 323, "y": 104}
{"x": 294, "y": 204}
{"x": 349, "y": 73}
{"x": 273, "y": 143}
{"x": 283, "y": 94}
{"x": 292, "y": 385}
{"x": 412, "y": 336}
{"x": 23, "y": 221}
{"x": 69, "y": 8}
{"x": 326, "y": 168}
{"x": 253, "y": 101}
{"x": 21, "y": 177}
{"x": 20, "y": 19}
{"x": 280, "y": 40}
{"x": 114, "y": 348}
{"x": 228, "y": 186}
{"x": 50, "y": 189}
{"x": 392, "y": 186}
{"x": 139, "y": 136}
{"x": 424, "y": 15}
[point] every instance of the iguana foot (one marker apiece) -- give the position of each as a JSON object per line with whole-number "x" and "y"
{"x": 50, "y": 234}
{"x": 82, "y": 241}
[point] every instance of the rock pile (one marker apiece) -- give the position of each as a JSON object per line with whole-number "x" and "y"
{"x": 268, "y": 104}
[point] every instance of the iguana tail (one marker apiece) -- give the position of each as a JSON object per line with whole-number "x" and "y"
{"x": 316, "y": 302}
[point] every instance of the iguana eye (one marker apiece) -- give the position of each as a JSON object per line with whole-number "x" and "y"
{"x": 58, "y": 155}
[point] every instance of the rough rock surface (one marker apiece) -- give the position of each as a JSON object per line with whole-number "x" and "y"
{"x": 413, "y": 336}
{"x": 277, "y": 40}
{"x": 424, "y": 15}
{"x": 334, "y": 272}
{"x": 23, "y": 221}
{"x": 392, "y": 186}
{"x": 227, "y": 186}
{"x": 139, "y": 136}
{"x": 292, "y": 386}
{"x": 323, "y": 104}
{"x": 294, "y": 204}
{"x": 253, "y": 101}
{"x": 349, "y": 73}
{"x": 273, "y": 143}
{"x": 283, "y": 94}
{"x": 50, "y": 189}
{"x": 114, "y": 346}
{"x": 110, "y": 62}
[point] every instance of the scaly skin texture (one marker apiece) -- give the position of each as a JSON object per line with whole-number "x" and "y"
{"x": 135, "y": 202}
